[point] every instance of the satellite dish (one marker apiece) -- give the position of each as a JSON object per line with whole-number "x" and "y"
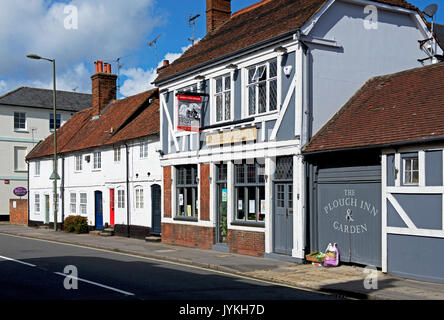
{"x": 430, "y": 10}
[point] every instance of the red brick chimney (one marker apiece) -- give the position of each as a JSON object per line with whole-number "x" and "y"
{"x": 104, "y": 88}
{"x": 218, "y": 12}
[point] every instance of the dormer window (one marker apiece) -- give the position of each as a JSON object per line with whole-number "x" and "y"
{"x": 262, "y": 88}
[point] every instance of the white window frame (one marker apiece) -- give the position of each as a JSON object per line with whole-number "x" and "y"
{"x": 120, "y": 198}
{"x": 78, "y": 163}
{"x": 117, "y": 154}
{"x": 83, "y": 203}
{"x": 143, "y": 149}
{"x": 222, "y": 94}
{"x": 37, "y": 202}
{"x": 37, "y": 168}
{"x": 73, "y": 204}
{"x": 26, "y": 122}
{"x": 268, "y": 79}
{"x": 412, "y": 170}
{"x": 97, "y": 160}
{"x": 16, "y": 159}
{"x": 138, "y": 191}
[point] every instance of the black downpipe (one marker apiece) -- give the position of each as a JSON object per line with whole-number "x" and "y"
{"x": 127, "y": 191}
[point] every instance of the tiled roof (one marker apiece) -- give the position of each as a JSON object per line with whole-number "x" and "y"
{"x": 122, "y": 120}
{"x": 43, "y": 98}
{"x": 439, "y": 30}
{"x": 397, "y": 108}
{"x": 259, "y": 22}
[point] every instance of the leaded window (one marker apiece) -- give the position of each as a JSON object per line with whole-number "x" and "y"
{"x": 262, "y": 88}
{"x": 223, "y": 98}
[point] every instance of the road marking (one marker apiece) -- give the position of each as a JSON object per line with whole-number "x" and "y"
{"x": 95, "y": 283}
{"x": 18, "y": 261}
{"x": 69, "y": 276}
{"x": 177, "y": 263}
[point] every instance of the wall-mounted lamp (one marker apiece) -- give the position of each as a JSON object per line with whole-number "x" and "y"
{"x": 199, "y": 78}
{"x": 266, "y": 177}
{"x": 197, "y": 179}
{"x": 280, "y": 50}
{"x": 88, "y": 158}
{"x": 148, "y": 174}
{"x": 210, "y": 179}
{"x": 232, "y": 66}
{"x": 161, "y": 153}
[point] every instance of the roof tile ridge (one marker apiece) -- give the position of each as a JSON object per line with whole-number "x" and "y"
{"x": 13, "y": 91}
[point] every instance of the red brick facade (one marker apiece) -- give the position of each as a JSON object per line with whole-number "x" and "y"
{"x": 204, "y": 192}
{"x": 166, "y": 192}
{"x": 246, "y": 242}
{"x": 19, "y": 214}
{"x": 188, "y": 235}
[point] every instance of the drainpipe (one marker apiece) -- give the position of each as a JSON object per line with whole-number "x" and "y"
{"x": 62, "y": 190}
{"x": 29, "y": 199}
{"x": 127, "y": 191}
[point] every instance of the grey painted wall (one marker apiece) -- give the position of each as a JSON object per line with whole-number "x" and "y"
{"x": 391, "y": 170}
{"x": 433, "y": 168}
{"x": 339, "y": 73}
{"x": 415, "y": 257}
{"x": 425, "y": 210}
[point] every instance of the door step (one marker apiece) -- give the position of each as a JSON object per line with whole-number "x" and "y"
{"x": 153, "y": 239}
{"x": 43, "y": 227}
{"x": 107, "y": 232}
{"x": 95, "y": 233}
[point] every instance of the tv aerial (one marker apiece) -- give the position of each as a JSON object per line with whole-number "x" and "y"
{"x": 153, "y": 43}
{"x": 430, "y": 12}
{"x": 192, "y": 22}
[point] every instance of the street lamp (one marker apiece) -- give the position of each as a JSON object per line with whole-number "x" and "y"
{"x": 54, "y": 174}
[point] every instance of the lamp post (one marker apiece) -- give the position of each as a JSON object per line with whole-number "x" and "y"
{"x": 54, "y": 174}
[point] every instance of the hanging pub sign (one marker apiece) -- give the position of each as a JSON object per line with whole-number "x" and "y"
{"x": 189, "y": 111}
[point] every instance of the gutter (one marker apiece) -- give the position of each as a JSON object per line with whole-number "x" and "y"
{"x": 377, "y": 146}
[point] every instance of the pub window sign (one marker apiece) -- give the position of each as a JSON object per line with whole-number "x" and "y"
{"x": 189, "y": 112}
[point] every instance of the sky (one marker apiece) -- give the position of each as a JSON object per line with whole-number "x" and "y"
{"x": 78, "y": 32}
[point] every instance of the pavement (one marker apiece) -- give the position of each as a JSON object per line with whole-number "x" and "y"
{"x": 344, "y": 281}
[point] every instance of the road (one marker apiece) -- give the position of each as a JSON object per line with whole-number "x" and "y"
{"x": 32, "y": 269}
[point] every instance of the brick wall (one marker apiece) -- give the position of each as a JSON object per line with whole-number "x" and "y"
{"x": 246, "y": 242}
{"x": 167, "y": 192}
{"x": 188, "y": 235}
{"x": 19, "y": 214}
{"x": 204, "y": 192}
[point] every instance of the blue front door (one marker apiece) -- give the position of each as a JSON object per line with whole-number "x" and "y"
{"x": 99, "y": 210}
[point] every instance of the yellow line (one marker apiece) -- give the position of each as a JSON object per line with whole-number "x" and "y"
{"x": 175, "y": 263}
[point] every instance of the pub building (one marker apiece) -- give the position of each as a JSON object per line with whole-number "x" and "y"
{"x": 237, "y": 107}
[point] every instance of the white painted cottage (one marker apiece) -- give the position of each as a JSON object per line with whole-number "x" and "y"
{"x": 108, "y": 164}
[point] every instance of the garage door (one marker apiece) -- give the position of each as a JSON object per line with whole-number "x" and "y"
{"x": 347, "y": 211}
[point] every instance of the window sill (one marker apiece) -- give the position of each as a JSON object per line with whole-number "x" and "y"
{"x": 21, "y": 130}
{"x": 248, "y": 224}
{"x": 185, "y": 218}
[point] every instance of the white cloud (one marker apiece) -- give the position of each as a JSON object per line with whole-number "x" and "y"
{"x": 107, "y": 29}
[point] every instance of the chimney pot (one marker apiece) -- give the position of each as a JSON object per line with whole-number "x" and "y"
{"x": 104, "y": 88}
{"x": 166, "y": 63}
